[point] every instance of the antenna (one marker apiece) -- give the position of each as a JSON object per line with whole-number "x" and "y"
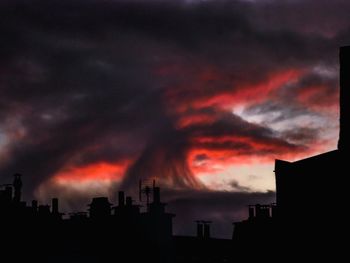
{"x": 146, "y": 187}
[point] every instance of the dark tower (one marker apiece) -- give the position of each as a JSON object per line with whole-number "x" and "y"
{"x": 344, "y": 59}
{"x": 17, "y": 185}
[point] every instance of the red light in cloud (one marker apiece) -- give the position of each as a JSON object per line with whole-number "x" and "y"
{"x": 202, "y": 93}
{"x": 319, "y": 98}
{"x": 204, "y": 87}
{"x": 265, "y": 146}
{"x": 198, "y": 96}
{"x": 100, "y": 171}
{"x": 210, "y": 155}
{"x": 204, "y": 161}
{"x": 249, "y": 93}
{"x": 197, "y": 118}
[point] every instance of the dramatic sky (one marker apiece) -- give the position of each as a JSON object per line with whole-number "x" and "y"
{"x": 202, "y": 95}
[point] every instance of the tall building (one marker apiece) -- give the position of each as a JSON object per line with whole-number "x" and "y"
{"x": 310, "y": 192}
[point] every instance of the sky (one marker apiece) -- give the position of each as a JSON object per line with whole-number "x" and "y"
{"x": 202, "y": 96}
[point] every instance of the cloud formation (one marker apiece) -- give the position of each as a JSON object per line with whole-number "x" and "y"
{"x": 108, "y": 92}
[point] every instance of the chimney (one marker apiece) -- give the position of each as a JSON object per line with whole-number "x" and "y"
{"x": 54, "y": 203}
{"x": 207, "y": 230}
{"x": 199, "y": 229}
{"x": 156, "y": 195}
{"x": 121, "y": 198}
{"x": 344, "y": 137}
{"x": 128, "y": 201}
{"x": 251, "y": 211}
{"x": 262, "y": 211}
{"x": 35, "y": 205}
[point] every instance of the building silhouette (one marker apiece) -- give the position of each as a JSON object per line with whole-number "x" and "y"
{"x": 85, "y": 235}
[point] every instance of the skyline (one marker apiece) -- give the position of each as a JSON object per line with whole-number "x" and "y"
{"x": 203, "y": 94}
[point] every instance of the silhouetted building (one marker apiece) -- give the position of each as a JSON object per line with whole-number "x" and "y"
{"x": 78, "y": 216}
{"x": 5, "y": 194}
{"x": 44, "y": 210}
{"x": 344, "y": 135}
{"x": 306, "y": 187}
{"x": 100, "y": 208}
{"x": 258, "y": 228}
{"x": 88, "y": 232}
{"x": 158, "y": 223}
{"x": 35, "y": 205}
{"x": 17, "y": 185}
{"x": 54, "y": 206}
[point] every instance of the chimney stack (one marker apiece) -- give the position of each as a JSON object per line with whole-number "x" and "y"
{"x": 200, "y": 233}
{"x": 344, "y": 135}
{"x": 128, "y": 201}
{"x": 251, "y": 211}
{"x": 121, "y": 198}
{"x": 156, "y": 195}
{"x": 207, "y": 230}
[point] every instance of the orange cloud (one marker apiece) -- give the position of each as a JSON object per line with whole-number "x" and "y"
{"x": 100, "y": 171}
{"x": 210, "y": 155}
{"x": 196, "y": 118}
{"x": 252, "y": 93}
{"x": 206, "y": 86}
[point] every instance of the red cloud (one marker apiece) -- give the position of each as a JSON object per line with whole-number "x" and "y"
{"x": 195, "y": 119}
{"x": 319, "y": 97}
{"x": 214, "y": 154}
{"x": 247, "y": 92}
{"x": 100, "y": 171}
{"x": 200, "y": 95}
{"x": 204, "y": 87}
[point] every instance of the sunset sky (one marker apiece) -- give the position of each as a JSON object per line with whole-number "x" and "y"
{"x": 202, "y": 95}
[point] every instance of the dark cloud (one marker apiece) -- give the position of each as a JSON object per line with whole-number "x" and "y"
{"x": 302, "y": 135}
{"x": 164, "y": 159}
{"x": 201, "y": 157}
{"x": 240, "y": 188}
{"x": 230, "y": 132}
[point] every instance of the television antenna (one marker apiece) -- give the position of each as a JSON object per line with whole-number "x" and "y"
{"x": 146, "y": 188}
